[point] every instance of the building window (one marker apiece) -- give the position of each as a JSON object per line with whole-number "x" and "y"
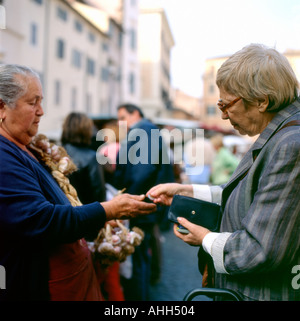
{"x": 104, "y": 74}
{"x": 120, "y": 40}
{"x": 33, "y": 34}
{"x": 211, "y": 89}
{"x": 78, "y": 26}
{"x": 165, "y": 70}
{"x": 41, "y": 78}
{"x": 73, "y": 98}
{"x": 76, "y": 58}
{"x": 57, "y": 92}
{"x": 88, "y": 103}
{"x": 2, "y": 16}
{"x": 132, "y": 39}
{"x": 62, "y": 14}
{"x": 211, "y": 110}
{"x": 165, "y": 98}
{"x": 90, "y": 67}
{"x": 91, "y": 37}
{"x": 105, "y": 47}
{"x": 60, "y": 49}
{"x": 110, "y": 29}
{"x": 132, "y": 83}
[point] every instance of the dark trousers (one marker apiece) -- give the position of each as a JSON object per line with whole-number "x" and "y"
{"x": 137, "y": 288}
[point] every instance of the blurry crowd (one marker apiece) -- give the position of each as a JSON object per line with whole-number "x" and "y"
{"x": 217, "y": 165}
{"x": 100, "y": 176}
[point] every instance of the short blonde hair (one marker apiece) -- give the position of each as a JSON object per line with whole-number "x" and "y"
{"x": 258, "y": 71}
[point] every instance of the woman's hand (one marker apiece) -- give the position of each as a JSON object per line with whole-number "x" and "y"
{"x": 163, "y": 193}
{"x": 196, "y": 233}
{"x": 126, "y": 206}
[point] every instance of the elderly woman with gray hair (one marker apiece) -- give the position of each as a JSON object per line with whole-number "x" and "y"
{"x": 41, "y": 231}
{"x": 257, "y": 250}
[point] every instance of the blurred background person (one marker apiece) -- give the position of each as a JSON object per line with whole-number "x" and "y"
{"x": 138, "y": 177}
{"x": 224, "y": 162}
{"x": 76, "y": 137}
{"x": 198, "y": 174}
{"x": 110, "y": 149}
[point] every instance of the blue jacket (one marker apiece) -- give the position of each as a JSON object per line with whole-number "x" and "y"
{"x": 35, "y": 216}
{"x": 146, "y": 147}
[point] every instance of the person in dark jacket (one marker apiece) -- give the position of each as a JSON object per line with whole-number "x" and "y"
{"x": 140, "y": 166}
{"x": 76, "y": 139}
{"x": 41, "y": 233}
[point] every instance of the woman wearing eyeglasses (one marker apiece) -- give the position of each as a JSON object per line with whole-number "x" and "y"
{"x": 257, "y": 250}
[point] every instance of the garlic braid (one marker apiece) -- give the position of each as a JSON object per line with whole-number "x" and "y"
{"x": 58, "y": 161}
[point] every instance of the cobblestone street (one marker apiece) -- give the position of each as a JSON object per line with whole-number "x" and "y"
{"x": 180, "y": 272}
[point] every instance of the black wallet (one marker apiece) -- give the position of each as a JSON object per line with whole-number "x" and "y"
{"x": 199, "y": 212}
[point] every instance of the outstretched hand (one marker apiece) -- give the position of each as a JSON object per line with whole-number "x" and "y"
{"x": 163, "y": 193}
{"x": 127, "y": 206}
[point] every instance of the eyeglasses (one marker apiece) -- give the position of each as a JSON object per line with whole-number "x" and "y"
{"x": 223, "y": 108}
